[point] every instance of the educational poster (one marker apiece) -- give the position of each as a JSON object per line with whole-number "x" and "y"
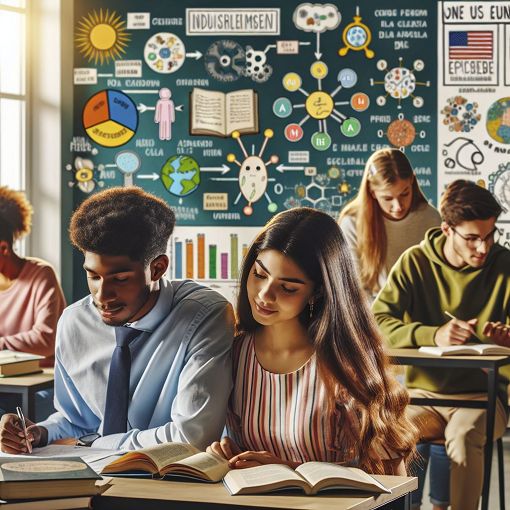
{"x": 232, "y": 114}
{"x": 474, "y": 99}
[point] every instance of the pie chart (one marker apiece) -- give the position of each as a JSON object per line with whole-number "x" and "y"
{"x": 110, "y": 118}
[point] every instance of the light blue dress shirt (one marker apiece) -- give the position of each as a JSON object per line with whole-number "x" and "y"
{"x": 180, "y": 373}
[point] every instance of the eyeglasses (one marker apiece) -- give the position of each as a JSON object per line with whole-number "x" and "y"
{"x": 476, "y": 241}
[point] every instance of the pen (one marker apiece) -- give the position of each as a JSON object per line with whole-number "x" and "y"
{"x": 451, "y": 316}
{"x": 24, "y": 425}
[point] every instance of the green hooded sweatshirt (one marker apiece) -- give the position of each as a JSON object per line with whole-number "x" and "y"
{"x": 421, "y": 286}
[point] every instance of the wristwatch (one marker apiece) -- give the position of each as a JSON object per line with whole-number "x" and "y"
{"x": 87, "y": 439}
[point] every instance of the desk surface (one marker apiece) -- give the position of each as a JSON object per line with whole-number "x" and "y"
{"x": 28, "y": 380}
{"x": 130, "y": 490}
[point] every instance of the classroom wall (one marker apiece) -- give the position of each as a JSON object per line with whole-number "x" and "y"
{"x": 336, "y": 82}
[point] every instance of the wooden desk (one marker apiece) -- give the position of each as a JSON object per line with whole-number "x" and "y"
{"x": 490, "y": 364}
{"x": 148, "y": 494}
{"x": 27, "y": 386}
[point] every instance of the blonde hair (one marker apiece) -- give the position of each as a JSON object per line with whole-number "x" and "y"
{"x": 384, "y": 167}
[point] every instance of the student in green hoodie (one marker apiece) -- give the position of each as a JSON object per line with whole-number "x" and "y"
{"x": 458, "y": 260}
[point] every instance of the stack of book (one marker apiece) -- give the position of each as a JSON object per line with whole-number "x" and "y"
{"x": 19, "y": 363}
{"x": 43, "y": 483}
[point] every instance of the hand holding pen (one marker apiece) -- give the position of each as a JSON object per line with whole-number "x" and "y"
{"x": 455, "y": 331}
{"x": 21, "y": 417}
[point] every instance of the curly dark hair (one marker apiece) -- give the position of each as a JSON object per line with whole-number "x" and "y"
{"x": 466, "y": 201}
{"x": 123, "y": 221}
{"x": 15, "y": 214}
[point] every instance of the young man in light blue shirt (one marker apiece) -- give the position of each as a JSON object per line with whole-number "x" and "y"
{"x": 141, "y": 360}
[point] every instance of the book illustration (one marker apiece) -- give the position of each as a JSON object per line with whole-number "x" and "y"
{"x": 216, "y": 113}
{"x": 44, "y": 466}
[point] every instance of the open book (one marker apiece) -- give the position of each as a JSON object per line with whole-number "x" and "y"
{"x": 218, "y": 113}
{"x": 179, "y": 459}
{"x": 469, "y": 349}
{"x": 311, "y": 477}
{"x": 170, "y": 459}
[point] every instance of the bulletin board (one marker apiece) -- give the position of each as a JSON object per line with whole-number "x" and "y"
{"x": 232, "y": 114}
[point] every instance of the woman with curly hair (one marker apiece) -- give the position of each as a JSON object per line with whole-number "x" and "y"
{"x": 311, "y": 378}
{"x": 31, "y": 299}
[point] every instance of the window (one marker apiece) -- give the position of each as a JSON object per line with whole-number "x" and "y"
{"x": 13, "y": 94}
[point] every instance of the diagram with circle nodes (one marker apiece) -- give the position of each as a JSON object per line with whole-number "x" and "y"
{"x": 102, "y": 36}
{"x": 460, "y": 114}
{"x": 164, "y": 53}
{"x": 400, "y": 82}
{"x": 321, "y": 106}
{"x": 110, "y": 118}
{"x": 253, "y": 176}
{"x": 462, "y": 153}
{"x": 356, "y": 36}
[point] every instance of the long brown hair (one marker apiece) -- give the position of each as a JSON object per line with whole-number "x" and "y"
{"x": 384, "y": 167}
{"x": 344, "y": 334}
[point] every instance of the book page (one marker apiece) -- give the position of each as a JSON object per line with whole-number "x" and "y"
{"x": 208, "y": 111}
{"x": 315, "y": 472}
{"x": 213, "y": 466}
{"x": 260, "y": 476}
{"x": 168, "y": 453}
{"x": 241, "y": 111}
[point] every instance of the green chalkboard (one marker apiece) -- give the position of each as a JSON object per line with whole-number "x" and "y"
{"x": 324, "y": 86}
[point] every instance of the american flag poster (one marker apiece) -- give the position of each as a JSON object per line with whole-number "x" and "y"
{"x": 472, "y": 45}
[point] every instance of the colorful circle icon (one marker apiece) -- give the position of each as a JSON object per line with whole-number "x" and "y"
{"x": 293, "y": 132}
{"x": 282, "y": 107}
{"x": 164, "y": 53}
{"x": 319, "y": 70}
{"x": 110, "y": 118}
{"x": 319, "y": 105}
{"x": 347, "y": 78}
{"x": 292, "y": 82}
{"x": 360, "y": 102}
{"x": 321, "y": 141}
{"x": 350, "y": 127}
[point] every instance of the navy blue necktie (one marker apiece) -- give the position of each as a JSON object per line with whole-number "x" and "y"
{"x": 117, "y": 392}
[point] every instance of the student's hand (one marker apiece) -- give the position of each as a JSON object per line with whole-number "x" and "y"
{"x": 498, "y": 332}
{"x": 455, "y": 332}
{"x": 12, "y": 437}
{"x": 226, "y": 448}
{"x": 251, "y": 459}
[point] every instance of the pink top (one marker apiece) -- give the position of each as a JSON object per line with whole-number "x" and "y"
{"x": 284, "y": 413}
{"x": 30, "y": 309}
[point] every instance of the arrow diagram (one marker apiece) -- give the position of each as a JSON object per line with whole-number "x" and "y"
{"x": 318, "y": 53}
{"x": 136, "y": 91}
{"x": 224, "y": 179}
{"x": 223, "y": 169}
{"x": 195, "y": 54}
{"x": 281, "y": 168}
{"x": 142, "y": 108}
{"x": 153, "y": 176}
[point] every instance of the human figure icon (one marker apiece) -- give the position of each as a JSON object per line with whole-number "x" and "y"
{"x": 165, "y": 114}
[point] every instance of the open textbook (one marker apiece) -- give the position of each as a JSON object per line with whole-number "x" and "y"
{"x": 311, "y": 477}
{"x": 216, "y": 113}
{"x": 179, "y": 459}
{"x": 466, "y": 349}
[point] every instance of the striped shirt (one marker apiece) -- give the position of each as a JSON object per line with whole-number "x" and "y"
{"x": 280, "y": 413}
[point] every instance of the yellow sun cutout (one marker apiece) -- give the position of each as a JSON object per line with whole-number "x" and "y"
{"x": 101, "y": 36}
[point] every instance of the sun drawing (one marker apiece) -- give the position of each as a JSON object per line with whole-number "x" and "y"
{"x": 101, "y": 36}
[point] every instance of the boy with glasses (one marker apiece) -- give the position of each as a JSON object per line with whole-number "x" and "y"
{"x": 460, "y": 269}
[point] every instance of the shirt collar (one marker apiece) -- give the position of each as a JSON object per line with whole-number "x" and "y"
{"x": 159, "y": 311}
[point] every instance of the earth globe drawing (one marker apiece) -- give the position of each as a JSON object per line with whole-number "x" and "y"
{"x": 498, "y": 120}
{"x": 180, "y": 175}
